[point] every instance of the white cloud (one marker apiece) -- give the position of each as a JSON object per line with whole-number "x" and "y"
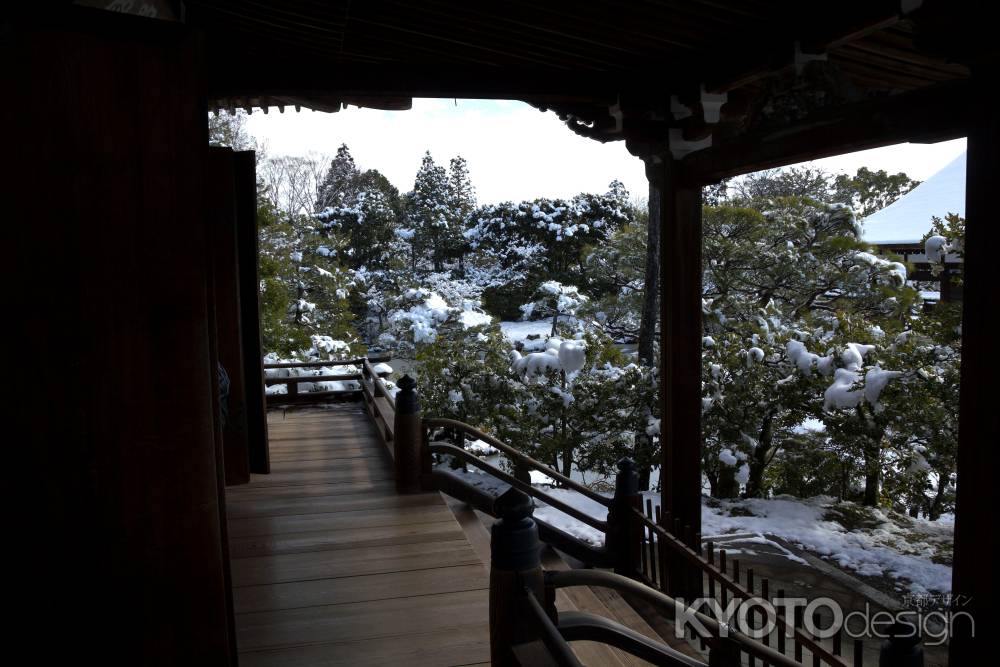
{"x": 918, "y": 161}
{"x": 514, "y": 151}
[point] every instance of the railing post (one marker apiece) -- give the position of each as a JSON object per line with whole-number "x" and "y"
{"x": 515, "y": 564}
{"x": 407, "y": 441}
{"x": 522, "y": 472}
{"x": 902, "y": 647}
{"x": 724, "y": 652}
{"x": 624, "y": 535}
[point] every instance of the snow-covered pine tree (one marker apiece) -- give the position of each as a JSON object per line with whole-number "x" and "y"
{"x": 776, "y": 283}
{"x": 461, "y": 203}
{"x": 362, "y": 229}
{"x": 338, "y": 184}
{"x": 555, "y": 300}
{"x": 429, "y": 213}
{"x": 616, "y": 276}
{"x": 544, "y": 239}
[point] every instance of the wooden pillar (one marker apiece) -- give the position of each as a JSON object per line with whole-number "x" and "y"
{"x": 115, "y": 504}
{"x": 680, "y": 349}
{"x": 651, "y": 290}
{"x": 515, "y": 564}
{"x": 221, "y": 210}
{"x": 974, "y": 574}
{"x": 623, "y": 538}
{"x": 245, "y": 175}
{"x": 407, "y": 439}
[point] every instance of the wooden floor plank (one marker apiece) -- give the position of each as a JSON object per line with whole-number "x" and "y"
{"x": 351, "y": 562}
{"x": 389, "y": 620}
{"x": 253, "y": 491}
{"x": 334, "y": 540}
{"x": 353, "y": 477}
{"x": 371, "y": 518}
{"x": 330, "y": 566}
{"x": 321, "y": 502}
{"x": 340, "y": 465}
{"x": 419, "y": 650}
{"x": 320, "y": 453}
{"x": 295, "y": 594}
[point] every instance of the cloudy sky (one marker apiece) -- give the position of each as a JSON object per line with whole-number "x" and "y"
{"x": 514, "y": 151}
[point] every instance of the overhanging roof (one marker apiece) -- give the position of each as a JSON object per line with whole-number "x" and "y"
{"x": 665, "y": 75}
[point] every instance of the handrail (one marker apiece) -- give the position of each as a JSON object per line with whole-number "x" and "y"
{"x": 378, "y": 387}
{"x": 458, "y": 452}
{"x": 584, "y": 626}
{"x": 455, "y": 486}
{"x": 559, "y": 650}
{"x": 334, "y": 362}
{"x": 734, "y": 587}
{"x": 518, "y": 456}
{"x": 301, "y": 379}
{"x": 569, "y": 578}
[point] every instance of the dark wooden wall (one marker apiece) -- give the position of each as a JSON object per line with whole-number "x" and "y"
{"x": 974, "y": 574}
{"x": 220, "y": 183}
{"x": 115, "y": 547}
{"x": 245, "y": 173}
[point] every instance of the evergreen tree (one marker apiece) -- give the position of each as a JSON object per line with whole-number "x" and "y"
{"x": 555, "y": 300}
{"x": 616, "y": 273}
{"x": 545, "y": 239}
{"x": 869, "y": 191}
{"x": 461, "y": 202}
{"x": 361, "y": 230}
{"x": 229, "y": 129}
{"x": 339, "y": 185}
{"x": 304, "y": 288}
{"x": 429, "y": 213}
{"x": 775, "y": 284}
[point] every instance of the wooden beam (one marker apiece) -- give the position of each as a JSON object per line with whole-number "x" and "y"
{"x": 816, "y": 32}
{"x": 934, "y": 114}
{"x": 323, "y": 77}
{"x": 221, "y": 206}
{"x": 974, "y": 573}
{"x": 680, "y": 349}
{"x": 245, "y": 175}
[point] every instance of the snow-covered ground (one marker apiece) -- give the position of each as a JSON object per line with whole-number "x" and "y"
{"x": 518, "y": 332}
{"x": 867, "y": 541}
{"x": 884, "y": 544}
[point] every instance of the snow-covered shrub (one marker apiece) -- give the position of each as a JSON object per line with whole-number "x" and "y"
{"x": 576, "y": 403}
{"x": 419, "y": 314}
{"x": 546, "y": 239}
{"x": 555, "y": 300}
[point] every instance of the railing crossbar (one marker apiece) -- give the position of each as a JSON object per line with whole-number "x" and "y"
{"x": 472, "y": 459}
{"x": 301, "y": 379}
{"x": 519, "y": 456}
{"x": 569, "y": 578}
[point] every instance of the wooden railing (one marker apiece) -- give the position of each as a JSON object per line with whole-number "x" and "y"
{"x": 652, "y": 559}
{"x": 379, "y": 401}
{"x": 526, "y": 628}
{"x": 294, "y": 396}
{"x": 712, "y": 581}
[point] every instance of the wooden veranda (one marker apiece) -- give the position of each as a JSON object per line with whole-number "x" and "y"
{"x": 332, "y": 567}
{"x": 149, "y": 241}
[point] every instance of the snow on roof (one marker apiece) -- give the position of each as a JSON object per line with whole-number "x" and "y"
{"x": 908, "y": 218}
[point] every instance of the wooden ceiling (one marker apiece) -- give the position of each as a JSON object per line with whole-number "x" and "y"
{"x": 641, "y": 69}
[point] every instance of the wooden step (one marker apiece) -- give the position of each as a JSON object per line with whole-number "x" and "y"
{"x": 600, "y": 601}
